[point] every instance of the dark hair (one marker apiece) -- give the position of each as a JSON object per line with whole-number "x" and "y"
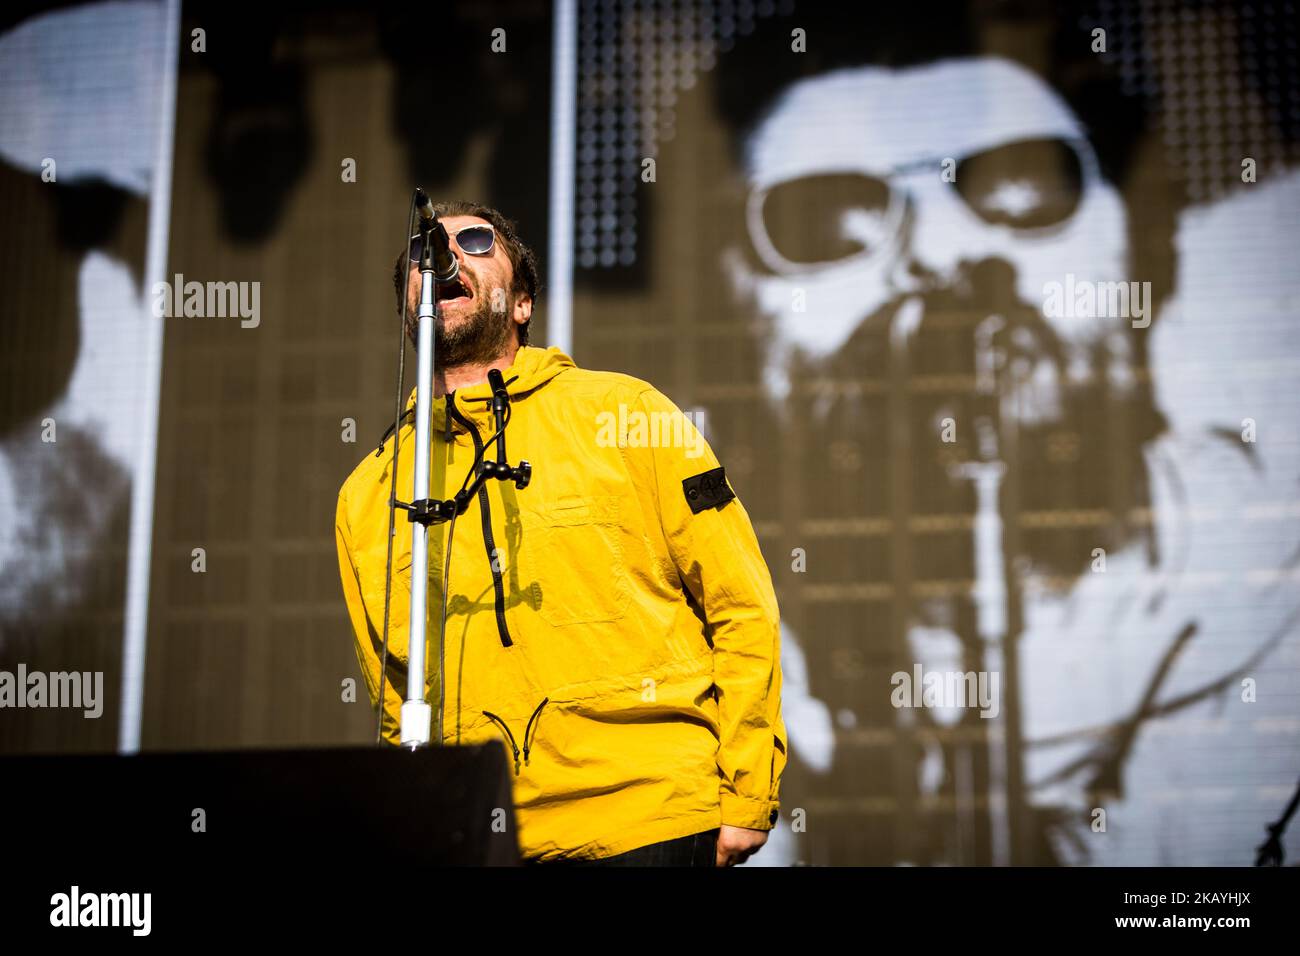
{"x": 523, "y": 261}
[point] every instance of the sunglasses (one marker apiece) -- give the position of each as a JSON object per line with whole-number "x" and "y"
{"x": 812, "y": 222}
{"x": 476, "y": 240}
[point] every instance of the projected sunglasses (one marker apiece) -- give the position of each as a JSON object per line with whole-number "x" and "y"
{"x": 830, "y": 217}
{"x": 476, "y": 239}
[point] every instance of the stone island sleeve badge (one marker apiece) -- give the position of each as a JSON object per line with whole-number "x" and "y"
{"x": 708, "y": 489}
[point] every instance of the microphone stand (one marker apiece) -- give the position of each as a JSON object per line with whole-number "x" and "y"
{"x": 417, "y": 714}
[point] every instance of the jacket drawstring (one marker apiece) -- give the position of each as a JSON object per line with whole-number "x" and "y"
{"x": 528, "y": 731}
{"x": 530, "y": 726}
{"x": 485, "y": 508}
{"x": 383, "y": 441}
{"x": 513, "y": 746}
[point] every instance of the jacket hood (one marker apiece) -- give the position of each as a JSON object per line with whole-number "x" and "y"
{"x": 532, "y": 368}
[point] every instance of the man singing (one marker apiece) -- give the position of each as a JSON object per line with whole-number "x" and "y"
{"x": 613, "y": 624}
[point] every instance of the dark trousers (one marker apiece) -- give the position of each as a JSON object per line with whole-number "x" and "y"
{"x": 698, "y": 849}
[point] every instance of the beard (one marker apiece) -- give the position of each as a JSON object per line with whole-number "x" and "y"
{"x": 479, "y": 338}
{"x": 880, "y": 389}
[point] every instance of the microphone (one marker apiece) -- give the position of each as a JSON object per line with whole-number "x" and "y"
{"x": 423, "y": 206}
{"x": 500, "y": 398}
{"x": 437, "y": 247}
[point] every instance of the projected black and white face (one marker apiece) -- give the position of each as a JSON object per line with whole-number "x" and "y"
{"x": 870, "y": 189}
{"x": 904, "y": 226}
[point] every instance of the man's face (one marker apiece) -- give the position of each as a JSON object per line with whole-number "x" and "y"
{"x": 478, "y": 311}
{"x": 898, "y": 195}
{"x": 906, "y": 224}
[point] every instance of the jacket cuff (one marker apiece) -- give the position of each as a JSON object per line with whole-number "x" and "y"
{"x": 756, "y": 814}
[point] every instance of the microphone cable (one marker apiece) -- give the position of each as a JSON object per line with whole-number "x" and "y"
{"x": 392, "y": 494}
{"x": 446, "y": 565}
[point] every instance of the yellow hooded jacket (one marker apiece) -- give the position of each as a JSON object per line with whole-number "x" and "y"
{"x": 620, "y": 638}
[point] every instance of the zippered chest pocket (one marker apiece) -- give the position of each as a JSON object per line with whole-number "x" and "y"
{"x": 574, "y": 547}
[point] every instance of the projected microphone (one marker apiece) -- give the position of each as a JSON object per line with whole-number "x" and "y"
{"x": 437, "y": 247}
